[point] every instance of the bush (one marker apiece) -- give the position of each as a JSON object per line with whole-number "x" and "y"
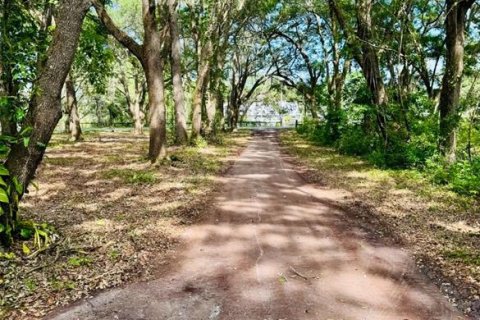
{"x": 313, "y": 130}
{"x": 465, "y": 177}
{"x": 420, "y": 149}
{"x": 462, "y": 177}
{"x": 355, "y": 142}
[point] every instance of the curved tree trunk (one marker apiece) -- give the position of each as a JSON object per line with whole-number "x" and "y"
{"x": 181, "y": 136}
{"x": 150, "y": 56}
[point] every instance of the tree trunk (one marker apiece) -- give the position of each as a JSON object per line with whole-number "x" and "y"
{"x": 153, "y": 65}
{"x": 312, "y": 103}
{"x": 211, "y": 109}
{"x": 45, "y": 109}
{"x": 235, "y": 117}
{"x": 9, "y": 127}
{"x": 74, "y": 127}
{"x": 138, "y": 117}
{"x": 368, "y": 61}
{"x": 212, "y": 103}
{"x": 339, "y": 77}
{"x": 8, "y": 89}
{"x": 220, "y": 113}
{"x": 134, "y": 101}
{"x": 203, "y": 71}
{"x": 181, "y": 135}
{"x": 452, "y": 78}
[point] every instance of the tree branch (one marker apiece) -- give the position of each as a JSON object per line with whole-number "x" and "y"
{"x": 127, "y": 41}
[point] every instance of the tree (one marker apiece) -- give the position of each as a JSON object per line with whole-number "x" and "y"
{"x": 22, "y": 43}
{"x": 90, "y": 70}
{"x": 211, "y": 26}
{"x": 455, "y": 25}
{"x": 365, "y": 53}
{"x": 44, "y": 111}
{"x": 299, "y": 66}
{"x": 73, "y": 119}
{"x": 134, "y": 93}
{"x": 181, "y": 135}
{"x": 150, "y": 56}
{"x": 248, "y": 73}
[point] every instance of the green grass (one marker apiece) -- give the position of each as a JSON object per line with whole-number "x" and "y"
{"x": 130, "y": 176}
{"x": 63, "y": 161}
{"x": 340, "y": 170}
{"x": 464, "y": 255}
{"x": 190, "y": 158}
{"x": 31, "y": 284}
{"x": 79, "y": 261}
{"x": 58, "y": 285}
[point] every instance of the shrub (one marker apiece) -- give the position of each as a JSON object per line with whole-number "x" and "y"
{"x": 419, "y": 149}
{"x": 462, "y": 177}
{"x": 355, "y": 142}
{"x": 313, "y": 130}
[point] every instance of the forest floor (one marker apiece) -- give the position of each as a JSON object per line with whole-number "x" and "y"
{"x": 273, "y": 246}
{"x": 441, "y": 228}
{"x": 114, "y": 214}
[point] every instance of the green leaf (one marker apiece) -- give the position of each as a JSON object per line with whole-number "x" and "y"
{"x": 2, "y": 228}
{"x": 26, "y": 131}
{"x": 2, "y": 182}
{"x": 4, "y": 196}
{"x": 18, "y": 185}
{"x": 4, "y": 149}
{"x": 8, "y": 139}
{"x": 4, "y": 171}
{"x": 26, "y": 141}
{"x": 26, "y": 233}
{"x": 7, "y": 256}
{"x": 26, "y": 250}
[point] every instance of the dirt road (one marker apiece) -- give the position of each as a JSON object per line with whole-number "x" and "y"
{"x": 275, "y": 248}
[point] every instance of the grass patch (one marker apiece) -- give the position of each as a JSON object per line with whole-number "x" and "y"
{"x": 190, "y": 158}
{"x": 348, "y": 172}
{"x": 79, "y": 261}
{"x": 58, "y": 285}
{"x": 30, "y": 284}
{"x": 63, "y": 161}
{"x": 130, "y": 176}
{"x": 464, "y": 255}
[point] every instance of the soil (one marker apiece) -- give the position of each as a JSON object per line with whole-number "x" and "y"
{"x": 272, "y": 246}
